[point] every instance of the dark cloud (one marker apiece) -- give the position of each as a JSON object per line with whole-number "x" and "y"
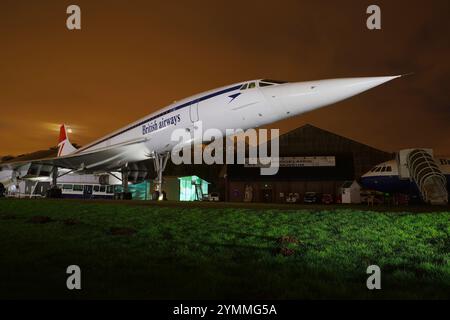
{"x": 134, "y": 57}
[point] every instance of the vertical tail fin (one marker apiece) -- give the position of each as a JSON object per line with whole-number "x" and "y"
{"x": 64, "y": 145}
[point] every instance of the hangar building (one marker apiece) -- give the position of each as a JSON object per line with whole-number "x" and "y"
{"x": 311, "y": 159}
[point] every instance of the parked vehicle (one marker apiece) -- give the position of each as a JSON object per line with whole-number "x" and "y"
{"x": 85, "y": 191}
{"x": 293, "y": 198}
{"x": 327, "y": 198}
{"x": 213, "y": 196}
{"x": 312, "y": 197}
{"x": 372, "y": 197}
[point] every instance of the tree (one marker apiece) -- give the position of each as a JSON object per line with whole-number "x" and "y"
{"x": 7, "y": 158}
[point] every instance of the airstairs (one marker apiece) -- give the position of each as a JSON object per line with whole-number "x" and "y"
{"x": 198, "y": 191}
{"x": 424, "y": 171}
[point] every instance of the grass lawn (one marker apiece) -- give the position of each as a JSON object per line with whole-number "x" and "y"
{"x": 193, "y": 253}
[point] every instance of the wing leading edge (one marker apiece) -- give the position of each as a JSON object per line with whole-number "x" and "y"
{"x": 98, "y": 160}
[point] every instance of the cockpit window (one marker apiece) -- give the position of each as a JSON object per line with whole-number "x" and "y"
{"x": 261, "y": 83}
{"x": 273, "y": 81}
{"x": 389, "y": 169}
{"x": 378, "y": 169}
{"x": 383, "y": 169}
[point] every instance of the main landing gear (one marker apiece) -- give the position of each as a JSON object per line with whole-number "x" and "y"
{"x": 159, "y": 163}
{"x": 126, "y": 194}
{"x": 54, "y": 192}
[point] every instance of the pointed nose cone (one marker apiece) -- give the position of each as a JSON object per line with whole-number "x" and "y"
{"x": 299, "y": 97}
{"x": 346, "y": 88}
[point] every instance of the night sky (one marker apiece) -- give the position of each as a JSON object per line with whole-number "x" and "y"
{"x": 134, "y": 57}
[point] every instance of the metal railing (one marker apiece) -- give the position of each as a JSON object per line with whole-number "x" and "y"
{"x": 427, "y": 176}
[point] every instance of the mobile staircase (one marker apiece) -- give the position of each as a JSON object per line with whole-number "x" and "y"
{"x": 424, "y": 171}
{"x": 198, "y": 191}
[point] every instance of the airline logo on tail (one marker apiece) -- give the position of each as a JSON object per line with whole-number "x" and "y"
{"x": 64, "y": 145}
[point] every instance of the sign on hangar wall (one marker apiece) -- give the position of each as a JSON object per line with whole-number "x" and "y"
{"x": 292, "y": 162}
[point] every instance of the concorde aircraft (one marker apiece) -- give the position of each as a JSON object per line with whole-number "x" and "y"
{"x": 242, "y": 105}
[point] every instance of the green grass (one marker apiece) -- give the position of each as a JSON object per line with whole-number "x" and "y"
{"x": 182, "y": 253}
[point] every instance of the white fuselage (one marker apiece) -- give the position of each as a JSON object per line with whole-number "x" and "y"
{"x": 385, "y": 177}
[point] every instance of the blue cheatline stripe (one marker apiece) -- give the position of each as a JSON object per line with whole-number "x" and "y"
{"x": 181, "y": 106}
